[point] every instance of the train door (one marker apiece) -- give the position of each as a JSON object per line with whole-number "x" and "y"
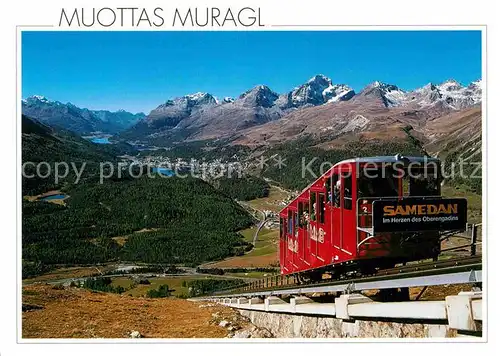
{"x": 302, "y": 231}
{"x": 312, "y": 245}
{"x": 348, "y": 229}
{"x": 321, "y": 227}
{"x": 291, "y": 245}
{"x": 282, "y": 247}
{"x": 336, "y": 221}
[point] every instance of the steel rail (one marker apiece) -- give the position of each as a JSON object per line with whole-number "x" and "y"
{"x": 456, "y": 271}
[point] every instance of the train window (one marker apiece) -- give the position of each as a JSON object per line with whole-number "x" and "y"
{"x": 282, "y": 227}
{"x": 348, "y": 192}
{"x": 424, "y": 181}
{"x": 312, "y": 206}
{"x": 290, "y": 222}
{"x": 295, "y": 224}
{"x": 322, "y": 208}
{"x": 301, "y": 214}
{"x": 336, "y": 190}
{"x": 377, "y": 182}
{"x": 329, "y": 193}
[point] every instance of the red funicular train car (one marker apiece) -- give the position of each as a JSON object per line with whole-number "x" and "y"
{"x": 367, "y": 213}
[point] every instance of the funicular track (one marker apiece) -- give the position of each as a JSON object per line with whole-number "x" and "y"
{"x": 451, "y": 271}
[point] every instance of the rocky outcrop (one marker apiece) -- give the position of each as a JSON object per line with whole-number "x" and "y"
{"x": 253, "y": 332}
{"x": 316, "y": 91}
{"x": 381, "y": 94}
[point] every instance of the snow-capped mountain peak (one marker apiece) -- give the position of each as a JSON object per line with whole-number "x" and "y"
{"x": 388, "y": 94}
{"x": 260, "y": 95}
{"x": 384, "y": 86}
{"x": 316, "y": 91}
{"x": 449, "y": 85}
{"x": 201, "y": 98}
{"x": 196, "y": 96}
{"x": 450, "y": 94}
{"x": 40, "y": 98}
{"x": 190, "y": 100}
{"x": 318, "y": 78}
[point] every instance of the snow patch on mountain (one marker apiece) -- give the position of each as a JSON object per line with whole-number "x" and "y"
{"x": 393, "y": 95}
{"x": 40, "y": 98}
{"x": 261, "y": 95}
{"x": 358, "y": 122}
{"x": 338, "y": 92}
{"x": 450, "y": 94}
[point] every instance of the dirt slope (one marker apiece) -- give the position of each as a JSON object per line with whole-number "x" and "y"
{"x": 78, "y": 313}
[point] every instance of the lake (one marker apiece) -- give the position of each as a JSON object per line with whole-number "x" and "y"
{"x": 54, "y": 197}
{"x": 164, "y": 171}
{"x": 100, "y": 140}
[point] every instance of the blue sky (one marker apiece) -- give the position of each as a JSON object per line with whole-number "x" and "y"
{"x": 137, "y": 71}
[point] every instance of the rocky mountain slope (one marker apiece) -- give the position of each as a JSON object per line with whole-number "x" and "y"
{"x": 79, "y": 120}
{"x": 456, "y": 138}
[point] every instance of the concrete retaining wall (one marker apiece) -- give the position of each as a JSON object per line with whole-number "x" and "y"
{"x": 300, "y": 326}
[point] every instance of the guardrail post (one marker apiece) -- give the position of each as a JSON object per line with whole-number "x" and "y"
{"x": 460, "y": 311}
{"x": 473, "y": 240}
{"x": 342, "y": 304}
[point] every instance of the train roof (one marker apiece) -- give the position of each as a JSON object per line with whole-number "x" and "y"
{"x": 389, "y": 159}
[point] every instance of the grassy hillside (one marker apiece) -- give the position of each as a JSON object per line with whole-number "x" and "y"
{"x": 41, "y": 143}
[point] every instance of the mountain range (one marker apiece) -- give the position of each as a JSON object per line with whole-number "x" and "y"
{"x": 334, "y": 114}
{"x": 319, "y": 101}
{"x": 79, "y": 120}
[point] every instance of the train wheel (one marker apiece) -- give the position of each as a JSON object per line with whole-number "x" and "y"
{"x": 310, "y": 277}
{"x": 315, "y": 276}
{"x": 300, "y": 279}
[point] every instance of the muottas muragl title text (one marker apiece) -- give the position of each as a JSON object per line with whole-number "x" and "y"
{"x": 160, "y": 17}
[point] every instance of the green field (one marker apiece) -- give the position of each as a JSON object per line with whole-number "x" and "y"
{"x": 252, "y": 274}
{"x": 266, "y": 241}
{"x": 264, "y": 254}
{"x": 271, "y": 202}
{"x": 175, "y": 284}
{"x": 474, "y": 202}
{"x": 140, "y": 290}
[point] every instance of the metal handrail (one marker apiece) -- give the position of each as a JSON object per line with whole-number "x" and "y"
{"x": 473, "y": 240}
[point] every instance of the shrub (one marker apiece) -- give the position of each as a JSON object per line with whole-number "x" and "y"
{"x": 162, "y": 292}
